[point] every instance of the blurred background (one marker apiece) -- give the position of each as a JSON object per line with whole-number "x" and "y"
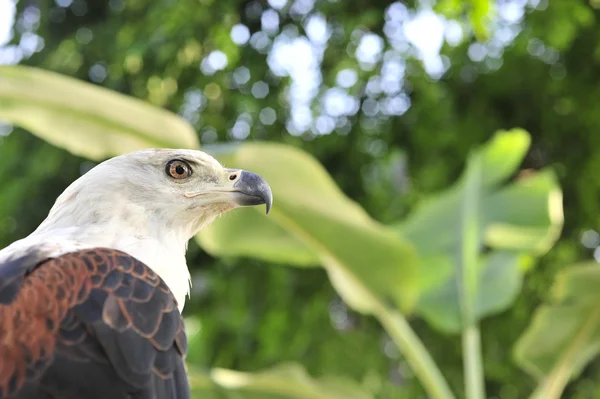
{"x": 388, "y": 96}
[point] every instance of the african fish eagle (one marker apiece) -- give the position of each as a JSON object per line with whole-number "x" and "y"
{"x": 90, "y": 302}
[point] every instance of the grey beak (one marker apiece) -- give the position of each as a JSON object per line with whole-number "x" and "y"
{"x": 251, "y": 189}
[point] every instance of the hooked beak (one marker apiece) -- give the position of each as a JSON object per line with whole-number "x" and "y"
{"x": 251, "y": 189}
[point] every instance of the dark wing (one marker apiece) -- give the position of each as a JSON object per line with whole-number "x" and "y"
{"x": 94, "y": 323}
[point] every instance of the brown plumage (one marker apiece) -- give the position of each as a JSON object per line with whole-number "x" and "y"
{"x": 82, "y": 311}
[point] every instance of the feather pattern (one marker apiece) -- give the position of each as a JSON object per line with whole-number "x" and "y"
{"x": 97, "y": 311}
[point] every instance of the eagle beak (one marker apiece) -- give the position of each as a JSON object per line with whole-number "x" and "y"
{"x": 251, "y": 189}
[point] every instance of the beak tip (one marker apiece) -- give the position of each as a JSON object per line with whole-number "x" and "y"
{"x": 269, "y": 204}
{"x": 255, "y": 189}
{"x": 268, "y": 197}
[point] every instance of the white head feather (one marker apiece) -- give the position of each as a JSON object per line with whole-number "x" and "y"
{"x": 133, "y": 204}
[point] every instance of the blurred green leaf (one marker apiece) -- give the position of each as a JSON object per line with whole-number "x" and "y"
{"x": 85, "y": 119}
{"x": 285, "y": 381}
{"x": 432, "y": 225}
{"x": 226, "y": 238}
{"x": 364, "y": 260}
{"x": 564, "y": 336}
{"x": 524, "y": 216}
{"x": 527, "y": 215}
{"x": 499, "y": 282}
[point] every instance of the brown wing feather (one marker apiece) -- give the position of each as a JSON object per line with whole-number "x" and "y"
{"x": 90, "y": 305}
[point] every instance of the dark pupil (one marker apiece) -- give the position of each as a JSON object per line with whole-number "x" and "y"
{"x": 179, "y": 170}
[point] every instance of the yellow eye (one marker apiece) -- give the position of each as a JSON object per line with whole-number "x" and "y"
{"x": 178, "y": 169}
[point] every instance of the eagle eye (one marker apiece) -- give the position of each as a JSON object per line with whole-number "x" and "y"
{"x": 178, "y": 169}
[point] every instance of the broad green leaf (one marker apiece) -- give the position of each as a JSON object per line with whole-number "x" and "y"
{"x": 502, "y": 155}
{"x": 432, "y": 225}
{"x": 285, "y": 381}
{"x": 364, "y": 259}
{"x": 226, "y": 238}
{"x": 86, "y": 119}
{"x": 564, "y": 335}
{"x": 499, "y": 284}
{"x": 524, "y": 217}
{"x": 527, "y": 215}
{"x": 440, "y": 270}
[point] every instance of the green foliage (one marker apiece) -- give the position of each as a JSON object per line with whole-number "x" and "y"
{"x": 563, "y": 336}
{"x": 515, "y": 221}
{"x": 229, "y": 237}
{"x": 24, "y": 183}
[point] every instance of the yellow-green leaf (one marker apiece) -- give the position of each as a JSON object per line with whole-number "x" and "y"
{"x": 226, "y": 238}
{"x": 86, "y": 119}
{"x": 564, "y": 336}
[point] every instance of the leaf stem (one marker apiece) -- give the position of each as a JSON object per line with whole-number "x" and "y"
{"x": 473, "y": 367}
{"x": 468, "y": 281}
{"x": 414, "y": 351}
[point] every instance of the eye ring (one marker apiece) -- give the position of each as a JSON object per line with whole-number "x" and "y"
{"x": 178, "y": 169}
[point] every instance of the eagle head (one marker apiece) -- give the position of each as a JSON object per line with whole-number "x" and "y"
{"x": 149, "y": 203}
